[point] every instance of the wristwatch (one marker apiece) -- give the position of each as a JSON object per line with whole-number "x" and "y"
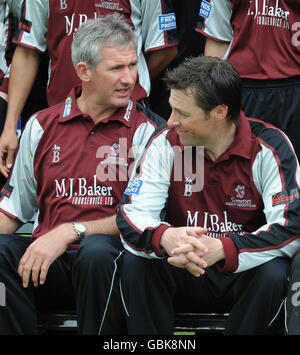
{"x": 80, "y": 230}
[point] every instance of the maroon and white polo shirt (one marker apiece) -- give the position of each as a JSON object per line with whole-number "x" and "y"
{"x": 69, "y": 169}
{"x": 248, "y": 197}
{"x": 264, "y": 36}
{"x": 51, "y": 25}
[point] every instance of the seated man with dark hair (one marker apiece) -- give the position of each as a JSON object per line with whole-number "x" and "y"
{"x": 211, "y": 219}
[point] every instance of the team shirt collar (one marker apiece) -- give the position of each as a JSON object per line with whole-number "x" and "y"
{"x": 70, "y": 110}
{"x": 242, "y": 144}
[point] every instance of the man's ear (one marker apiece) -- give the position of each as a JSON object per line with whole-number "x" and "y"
{"x": 83, "y": 71}
{"x": 221, "y": 112}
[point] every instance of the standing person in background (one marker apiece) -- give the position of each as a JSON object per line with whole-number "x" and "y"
{"x": 191, "y": 44}
{"x": 10, "y": 11}
{"x": 70, "y": 168}
{"x": 262, "y": 40}
{"x": 51, "y": 25}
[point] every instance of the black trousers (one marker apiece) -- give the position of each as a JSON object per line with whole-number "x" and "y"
{"x": 154, "y": 291}
{"x": 293, "y": 298}
{"x": 276, "y": 102}
{"x": 86, "y": 279}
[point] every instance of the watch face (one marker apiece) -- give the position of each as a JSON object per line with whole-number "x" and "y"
{"x": 80, "y": 231}
{"x": 81, "y": 228}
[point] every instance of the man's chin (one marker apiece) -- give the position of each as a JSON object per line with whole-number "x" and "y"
{"x": 121, "y": 101}
{"x": 183, "y": 140}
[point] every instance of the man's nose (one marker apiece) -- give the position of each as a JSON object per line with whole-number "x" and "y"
{"x": 172, "y": 122}
{"x": 129, "y": 76}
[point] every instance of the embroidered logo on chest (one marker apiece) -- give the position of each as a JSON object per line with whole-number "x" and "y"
{"x": 114, "y": 156}
{"x": 56, "y": 154}
{"x": 188, "y": 184}
{"x": 238, "y": 200}
{"x": 63, "y": 4}
{"x": 110, "y": 5}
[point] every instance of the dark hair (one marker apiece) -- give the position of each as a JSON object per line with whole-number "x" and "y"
{"x": 213, "y": 82}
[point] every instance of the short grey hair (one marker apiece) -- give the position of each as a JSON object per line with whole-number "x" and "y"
{"x": 104, "y": 31}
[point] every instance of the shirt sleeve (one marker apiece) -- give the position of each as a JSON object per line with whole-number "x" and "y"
{"x": 15, "y": 7}
{"x": 159, "y": 28}
{"x": 276, "y": 176}
{"x": 216, "y": 15}
{"x": 140, "y": 212}
{"x": 33, "y": 25}
{"x": 18, "y": 196}
{"x": 150, "y": 126}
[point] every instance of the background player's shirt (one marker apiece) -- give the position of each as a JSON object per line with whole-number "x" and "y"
{"x": 51, "y": 25}
{"x": 264, "y": 36}
{"x": 10, "y": 11}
